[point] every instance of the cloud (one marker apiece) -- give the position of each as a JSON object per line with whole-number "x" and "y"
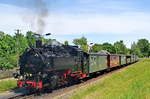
{"x": 94, "y": 6}
{"x": 11, "y": 18}
{"x": 11, "y": 9}
{"x": 122, "y": 23}
{"x": 125, "y": 23}
{"x": 9, "y": 24}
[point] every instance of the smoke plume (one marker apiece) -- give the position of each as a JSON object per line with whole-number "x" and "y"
{"x": 37, "y": 18}
{"x": 42, "y": 13}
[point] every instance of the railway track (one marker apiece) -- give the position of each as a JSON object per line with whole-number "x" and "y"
{"x": 61, "y": 92}
{"x": 4, "y": 78}
{"x": 6, "y": 74}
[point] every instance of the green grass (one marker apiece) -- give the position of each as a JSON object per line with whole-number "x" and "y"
{"x": 7, "y": 85}
{"x": 5, "y": 75}
{"x": 132, "y": 82}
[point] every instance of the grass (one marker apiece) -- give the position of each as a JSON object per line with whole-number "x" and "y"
{"x": 7, "y": 85}
{"x": 5, "y": 75}
{"x": 132, "y": 82}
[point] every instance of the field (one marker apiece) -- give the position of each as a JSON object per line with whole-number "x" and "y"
{"x": 132, "y": 82}
{"x": 7, "y": 85}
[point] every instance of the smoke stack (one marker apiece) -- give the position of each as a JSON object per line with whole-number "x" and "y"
{"x": 38, "y": 43}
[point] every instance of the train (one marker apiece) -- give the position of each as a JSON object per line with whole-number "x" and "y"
{"x": 51, "y": 65}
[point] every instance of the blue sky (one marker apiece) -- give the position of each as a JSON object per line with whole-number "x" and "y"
{"x": 98, "y": 20}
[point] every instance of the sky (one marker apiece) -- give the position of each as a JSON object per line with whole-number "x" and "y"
{"x": 98, "y": 20}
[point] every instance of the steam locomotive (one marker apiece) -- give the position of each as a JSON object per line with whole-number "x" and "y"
{"x": 51, "y": 65}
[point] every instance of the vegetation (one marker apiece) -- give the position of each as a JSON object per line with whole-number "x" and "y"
{"x": 82, "y": 43}
{"x": 141, "y": 48}
{"x": 11, "y": 47}
{"x": 120, "y": 47}
{"x": 130, "y": 83}
{"x": 7, "y": 85}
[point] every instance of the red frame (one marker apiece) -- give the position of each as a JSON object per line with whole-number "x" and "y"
{"x": 32, "y": 84}
{"x": 66, "y": 73}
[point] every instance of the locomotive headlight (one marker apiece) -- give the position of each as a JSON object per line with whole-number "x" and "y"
{"x": 20, "y": 77}
{"x": 17, "y": 76}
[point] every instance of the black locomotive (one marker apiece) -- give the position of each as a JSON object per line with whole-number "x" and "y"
{"x": 51, "y": 65}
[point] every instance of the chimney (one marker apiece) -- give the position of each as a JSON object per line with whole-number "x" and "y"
{"x": 38, "y": 43}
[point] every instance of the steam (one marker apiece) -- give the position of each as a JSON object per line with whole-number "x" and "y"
{"x": 37, "y": 18}
{"x": 42, "y": 13}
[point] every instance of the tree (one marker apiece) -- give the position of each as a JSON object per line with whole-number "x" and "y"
{"x": 7, "y": 45}
{"x": 30, "y": 38}
{"x": 82, "y": 43}
{"x": 135, "y": 50}
{"x": 120, "y": 47}
{"x": 7, "y": 51}
{"x": 1, "y": 34}
{"x": 96, "y": 47}
{"x": 11, "y": 47}
{"x": 144, "y": 46}
{"x": 21, "y": 42}
{"x": 109, "y": 47}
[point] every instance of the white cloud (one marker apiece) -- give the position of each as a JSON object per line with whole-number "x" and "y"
{"x": 124, "y": 23}
{"x": 8, "y": 24}
{"x": 11, "y": 19}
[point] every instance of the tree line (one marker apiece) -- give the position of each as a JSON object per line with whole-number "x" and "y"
{"x": 141, "y": 48}
{"x": 11, "y": 47}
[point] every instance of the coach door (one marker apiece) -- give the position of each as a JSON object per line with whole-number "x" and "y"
{"x": 84, "y": 62}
